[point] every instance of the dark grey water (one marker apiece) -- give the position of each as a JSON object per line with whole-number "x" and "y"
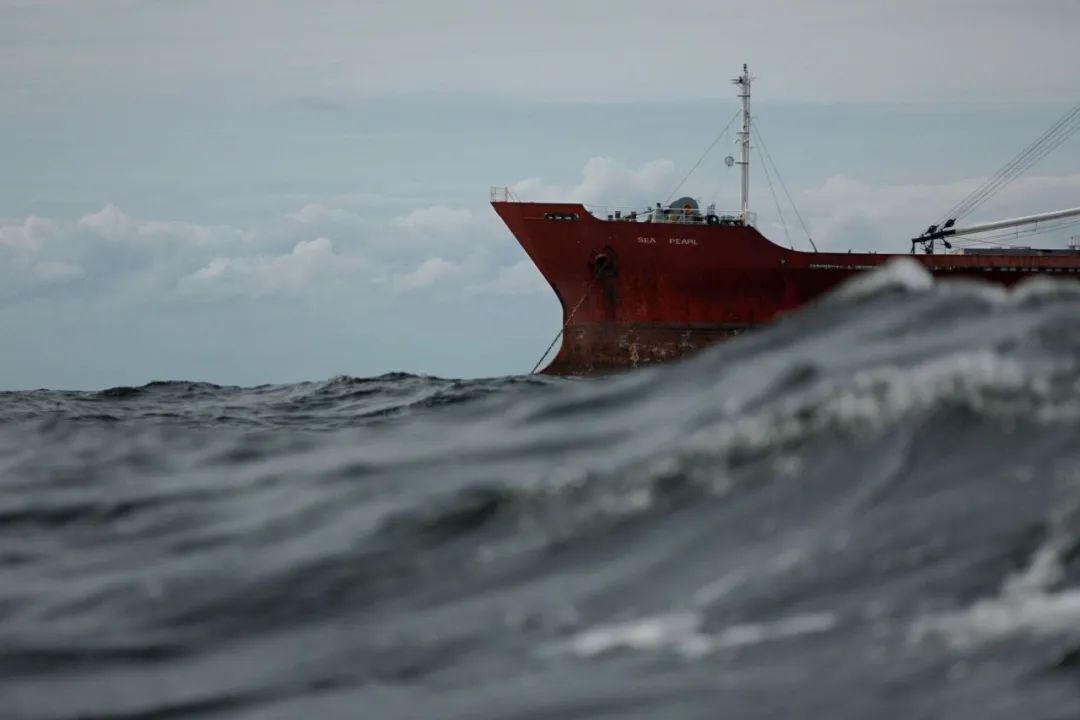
{"x": 871, "y": 509}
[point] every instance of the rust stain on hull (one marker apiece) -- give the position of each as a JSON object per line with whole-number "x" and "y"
{"x": 602, "y": 348}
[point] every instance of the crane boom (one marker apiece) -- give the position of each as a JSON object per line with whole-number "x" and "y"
{"x": 1013, "y": 222}
{"x": 949, "y": 230}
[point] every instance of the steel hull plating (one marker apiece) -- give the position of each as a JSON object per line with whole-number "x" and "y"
{"x": 599, "y": 348}
{"x": 634, "y": 293}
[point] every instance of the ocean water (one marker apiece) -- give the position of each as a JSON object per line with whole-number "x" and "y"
{"x": 870, "y": 509}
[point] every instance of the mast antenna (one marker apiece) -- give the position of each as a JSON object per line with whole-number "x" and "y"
{"x": 743, "y": 81}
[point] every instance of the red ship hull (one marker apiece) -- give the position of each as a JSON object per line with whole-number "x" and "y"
{"x": 635, "y": 293}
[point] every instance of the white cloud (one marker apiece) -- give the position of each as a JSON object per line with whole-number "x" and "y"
{"x": 318, "y": 213}
{"x": 181, "y": 233}
{"x": 521, "y": 278}
{"x": 110, "y": 222}
{"x": 310, "y": 262}
{"x": 457, "y": 235}
{"x": 27, "y": 236}
{"x": 604, "y": 178}
{"x": 425, "y": 275}
{"x": 435, "y": 248}
{"x": 32, "y": 255}
{"x": 437, "y": 218}
{"x": 849, "y": 214}
{"x": 130, "y": 259}
{"x": 606, "y": 182}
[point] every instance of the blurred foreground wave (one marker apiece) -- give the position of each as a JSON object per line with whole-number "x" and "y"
{"x": 869, "y": 509}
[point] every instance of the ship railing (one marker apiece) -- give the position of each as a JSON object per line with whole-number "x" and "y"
{"x": 622, "y": 213}
{"x": 670, "y": 215}
{"x": 501, "y": 193}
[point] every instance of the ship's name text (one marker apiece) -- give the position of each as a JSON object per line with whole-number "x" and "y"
{"x": 671, "y": 241}
{"x": 819, "y": 266}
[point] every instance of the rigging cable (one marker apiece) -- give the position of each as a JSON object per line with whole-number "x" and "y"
{"x": 761, "y": 141}
{"x": 1054, "y": 136}
{"x": 783, "y": 222}
{"x": 1048, "y": 141}
{"x": 1017, "y": 170}
{"x": 1032, "y": 153}
{"x": 703, "y": 155}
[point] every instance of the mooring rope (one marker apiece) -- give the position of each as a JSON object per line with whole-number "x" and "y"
{"x": 569, "y": 318}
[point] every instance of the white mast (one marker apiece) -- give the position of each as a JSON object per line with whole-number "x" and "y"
{"x": 743, "y": 81}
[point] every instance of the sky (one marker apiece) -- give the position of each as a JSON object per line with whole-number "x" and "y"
{"x": 262, "y": 191}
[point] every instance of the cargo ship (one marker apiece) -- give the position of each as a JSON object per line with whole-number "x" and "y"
{"x": 654, "y": 284}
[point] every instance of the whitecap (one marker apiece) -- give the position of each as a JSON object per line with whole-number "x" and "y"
{"x": 900, "y": 274}
{"x": 1025, "y": 605}
{"x": 682, "y": 632}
